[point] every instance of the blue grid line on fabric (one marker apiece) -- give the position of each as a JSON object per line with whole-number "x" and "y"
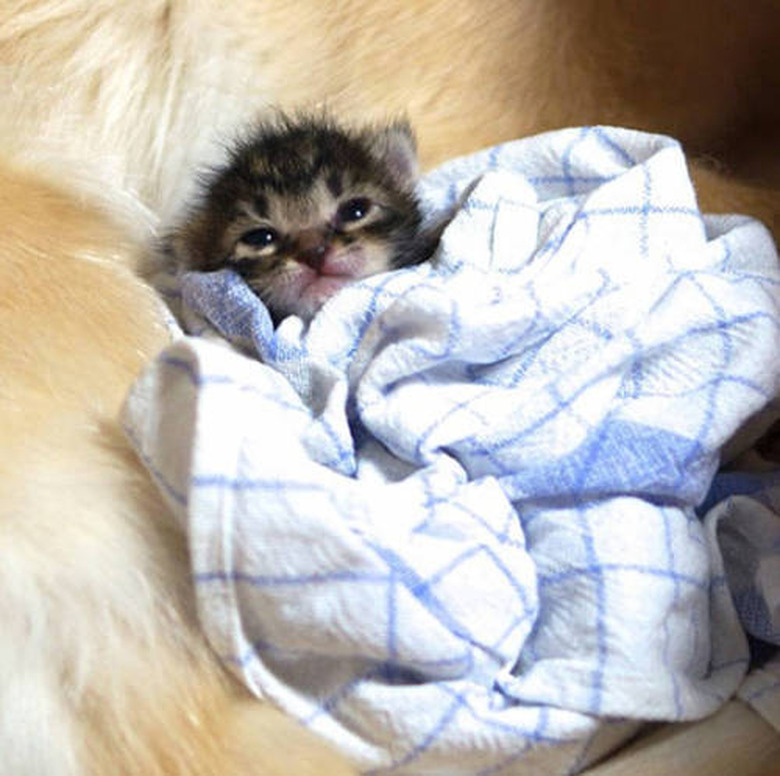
{"x": 471, "y": 552}
{"x": 202, "y": 381}
{"x": 454, "y": 328}
{"x": 424, "y": 436}
{"x": 584, "y": 180}
{"x": 693, "y": 532}
{"x": 302, "y": 580}
{"x": 500, "y": 536}
{"x": 674, "y": 577}
{"x": 429, "y": 504}
{"x": 477, "y": 449}
{"x": 494, "y": 157}
{"x": 380, "y": 290}
{"x": 596, "y": 328}
{"x": 388, "y": 330}
{"x": 722, "y": 324}
{"x": 453, "y": 189}
{"x": 480, "y": 373}
{"x": 492, "y": 236}
{"x": 636, "y": 370}
{"x": 607, "y": 140}
{"x": 392, "y": 617}
{"x": 665, "y": 653}
{"x": 475, "y": 205}
{"x": 728, "y": 253}
{"x": 554, "y": 243}
{"x": 704, "y": 386}
{"x": 453, "y": 563}
{"x": 530, "y": 356}
{"x": 511, "y": 628}
{"x": 591, "y": 557}
{"x": 527, "y": 737}
{"x": 564, "y": 404}
{"x": 167, "y": 487}
{"x": 420, "y": 589}
{"x": 419, "y": 749}
{"x": 641, "y": 211}
{"x": 228, "y": 482}
{"x": 566, "y": 159}
{"x": 345, "y": 460}
{"x": 529, "y": 654}
{"x": 466, "y": 449}
{"x": 699, "y": 459}
{"x": 538, "y": 734}
{"x": 523, "y": 356}
{"x": 329, "y": 496}
{"x": 745, "y": 276}
{"x": 682, "y": 275}
{"x": 644, "y": 218}
{"x": 572, "y": 319}
{"x": 721, "y": 316}
{"x": 584, "y": 423}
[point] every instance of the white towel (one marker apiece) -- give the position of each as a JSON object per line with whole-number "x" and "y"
{"x": 451, "y": 525}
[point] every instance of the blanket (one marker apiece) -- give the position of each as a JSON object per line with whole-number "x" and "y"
{"x": 451, "y": 524}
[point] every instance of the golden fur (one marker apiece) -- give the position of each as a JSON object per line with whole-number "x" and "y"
{"x": 109, "y": 106}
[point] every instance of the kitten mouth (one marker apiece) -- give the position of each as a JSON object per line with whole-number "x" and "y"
{"x": 313, "y": 294}
{"x": 307, "y": 288}
{"x": 338, "y": 269}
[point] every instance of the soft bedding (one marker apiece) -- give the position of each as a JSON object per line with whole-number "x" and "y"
{"x": 456, "y": 525}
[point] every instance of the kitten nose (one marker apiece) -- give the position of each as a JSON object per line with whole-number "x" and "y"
{"x": 312, "y": 247}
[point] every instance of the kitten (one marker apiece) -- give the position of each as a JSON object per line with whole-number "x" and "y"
{"x": 304, "y": 207}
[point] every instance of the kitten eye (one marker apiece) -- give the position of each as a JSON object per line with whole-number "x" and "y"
{"x": 354, "y": 210}
{"x": 260, "y": 238}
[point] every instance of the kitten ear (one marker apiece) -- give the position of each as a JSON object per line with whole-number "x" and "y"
{"x": 395, "y": 147}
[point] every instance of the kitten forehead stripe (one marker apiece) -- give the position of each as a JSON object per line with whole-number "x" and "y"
{"x": 261, "y": 205}
{"x": 334, "y": 184}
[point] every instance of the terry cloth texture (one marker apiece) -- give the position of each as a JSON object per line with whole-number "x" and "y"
{"x": 452, "y": 525}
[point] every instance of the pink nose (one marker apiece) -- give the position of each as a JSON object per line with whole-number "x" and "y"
{"x": 312, "y": 247}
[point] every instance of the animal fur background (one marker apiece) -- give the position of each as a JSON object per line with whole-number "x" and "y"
{"x": 108, "y": 108}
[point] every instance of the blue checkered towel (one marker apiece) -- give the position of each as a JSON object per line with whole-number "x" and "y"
{"x": 451, "y": 525}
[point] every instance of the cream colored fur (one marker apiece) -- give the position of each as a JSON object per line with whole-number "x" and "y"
{"x": 137, "y": 92}
{"x": 102, "y": 669}
{"x": 108, "y": 108}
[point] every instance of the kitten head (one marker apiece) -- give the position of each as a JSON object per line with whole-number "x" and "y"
{"x": 304, "y": 207}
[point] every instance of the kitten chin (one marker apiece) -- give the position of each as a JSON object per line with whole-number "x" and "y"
{"x": 305, "y": 206}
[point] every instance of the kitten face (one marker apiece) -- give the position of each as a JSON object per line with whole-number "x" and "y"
{"x": 303, "y": 208}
